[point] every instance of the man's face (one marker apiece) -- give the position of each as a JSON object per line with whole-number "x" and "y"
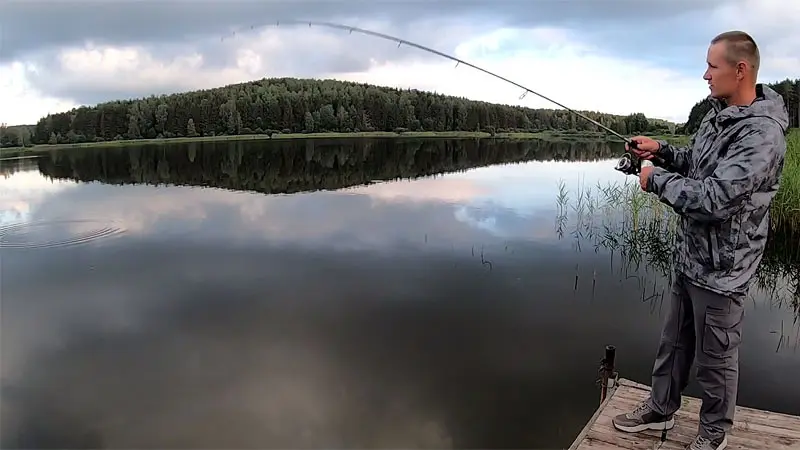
{"x": 722, "y": 76}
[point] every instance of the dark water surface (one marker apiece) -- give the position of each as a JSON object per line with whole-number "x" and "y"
{"x": 264, "y": 295}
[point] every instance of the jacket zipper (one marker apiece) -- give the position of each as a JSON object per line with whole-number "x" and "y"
{"x": 713, "y": 247}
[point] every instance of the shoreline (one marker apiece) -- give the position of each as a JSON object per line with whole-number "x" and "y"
{"x": 553, "y": 135}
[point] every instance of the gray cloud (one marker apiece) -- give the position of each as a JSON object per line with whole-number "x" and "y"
{"x": 308, "y": 52}
{"x": 30, "y": 26}
{"x": 169, "y": 30}
{"x": 119, "y": 22}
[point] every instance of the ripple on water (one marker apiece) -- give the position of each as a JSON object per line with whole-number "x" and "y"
{"x": 63, "y": 233}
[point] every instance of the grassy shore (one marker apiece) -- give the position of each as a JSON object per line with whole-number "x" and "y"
{"x": 786, "y": 206}
{"x": 544, "y": 135}
{"x": 785, "y": 209}
{"x": 641, "y": 207}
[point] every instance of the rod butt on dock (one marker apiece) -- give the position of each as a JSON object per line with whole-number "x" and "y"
{"x": 608, "y": 374}
{"x": 753, "y": 429}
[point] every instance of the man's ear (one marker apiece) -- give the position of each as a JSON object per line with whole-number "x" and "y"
{"x": 741, "y": 69}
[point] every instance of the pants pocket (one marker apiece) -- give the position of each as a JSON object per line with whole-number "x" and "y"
{"x": 722, "y": 332}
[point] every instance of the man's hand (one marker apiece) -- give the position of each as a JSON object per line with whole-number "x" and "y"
{"x": 643, "y": 176}
{"x": 645, "y": 147}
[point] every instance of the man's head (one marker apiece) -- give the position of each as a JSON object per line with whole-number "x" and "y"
{"x": 733, "y": 60}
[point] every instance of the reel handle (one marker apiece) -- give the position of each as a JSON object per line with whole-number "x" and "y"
{"x": 631, "y": 164}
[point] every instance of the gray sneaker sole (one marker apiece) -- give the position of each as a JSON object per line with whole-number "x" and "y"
{"x": 646, "y": 426}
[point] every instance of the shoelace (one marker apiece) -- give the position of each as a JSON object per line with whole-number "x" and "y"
{"x": 641, "y": 409}
{"x": 699, "y": 442}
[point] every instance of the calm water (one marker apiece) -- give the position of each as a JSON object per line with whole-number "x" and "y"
{"x": 333, "y": 294}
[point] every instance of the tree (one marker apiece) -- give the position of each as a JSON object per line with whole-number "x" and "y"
{"x": 788, "y": 89}
{"x": 190, "y": 131}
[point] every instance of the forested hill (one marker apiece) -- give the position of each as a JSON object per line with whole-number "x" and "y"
{"x": 789, "y": 90}
{"x": 288, "y": 105}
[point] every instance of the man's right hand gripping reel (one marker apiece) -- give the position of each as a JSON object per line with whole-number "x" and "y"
{"x": 630, "y": 163}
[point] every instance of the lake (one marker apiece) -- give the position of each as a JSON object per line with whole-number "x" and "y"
{"x": 340, "y": 293}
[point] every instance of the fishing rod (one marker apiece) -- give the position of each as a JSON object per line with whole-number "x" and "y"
{"x": 629, "y": 163}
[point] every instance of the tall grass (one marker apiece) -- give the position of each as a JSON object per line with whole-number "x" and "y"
{"x": 786, "y": 206}
{"x": 620, "y": 217}
{"x": 785, "y": 210}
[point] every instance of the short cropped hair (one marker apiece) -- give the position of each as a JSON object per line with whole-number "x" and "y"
{"x": 740, "y": 46}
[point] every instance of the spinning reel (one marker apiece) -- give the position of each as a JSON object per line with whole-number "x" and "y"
{"x": 630, "y": 164}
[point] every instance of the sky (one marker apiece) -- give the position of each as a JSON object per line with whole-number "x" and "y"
{"x": 615, "y": 56}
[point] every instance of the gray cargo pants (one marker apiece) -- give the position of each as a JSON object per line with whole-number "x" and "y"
{"x": 706, "y": 325}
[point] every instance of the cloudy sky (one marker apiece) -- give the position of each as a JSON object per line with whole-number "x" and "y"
{"x": 617, "y": 56}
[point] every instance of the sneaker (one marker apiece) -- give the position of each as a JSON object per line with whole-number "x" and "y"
{"x": 702, "y": 443}
{"x": 643, "y": 418}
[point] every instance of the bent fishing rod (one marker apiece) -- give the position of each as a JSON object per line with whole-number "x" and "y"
{"x": 629, "y": 163}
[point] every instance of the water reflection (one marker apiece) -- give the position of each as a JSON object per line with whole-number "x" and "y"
{"x": 440, "y": 312}
{"x": 295, "y": 165}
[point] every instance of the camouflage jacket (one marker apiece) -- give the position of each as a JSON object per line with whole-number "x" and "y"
{"x": 721, "y": 185}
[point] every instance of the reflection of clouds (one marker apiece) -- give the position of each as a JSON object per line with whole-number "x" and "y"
{"x": 248, "y": 352}
{"x": 194, "y": 366}
{"x": 404, "y": 214}
{"x": 513, "y": 201}
{"x": 322, "y": 219}
{"x": 281, "y": 395}
{"x": 470, "y": 216}
{"x": 447, "y": 189}
{"x": 521, "y": 187}
{"x": 20, "y": 192}
{"x": 203, "y": 342}
{"x": 489, "y": 197}
{"x": 532, "y": 186}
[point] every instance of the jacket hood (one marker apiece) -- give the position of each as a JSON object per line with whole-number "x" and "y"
{"x": 768, "y": 104}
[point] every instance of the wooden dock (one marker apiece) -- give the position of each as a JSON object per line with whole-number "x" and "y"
{"x": 752, "y": 429}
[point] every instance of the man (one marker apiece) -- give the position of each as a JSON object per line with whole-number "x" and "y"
{"x": 721, "y": 185}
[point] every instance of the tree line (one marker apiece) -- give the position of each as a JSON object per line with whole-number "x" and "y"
{"x": 289, "y": 105}
{"x": 290, "y": 166}
{"x": 788, "y": 89}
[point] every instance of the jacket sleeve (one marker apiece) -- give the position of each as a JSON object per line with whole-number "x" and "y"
{"x": 676, "y": 159}
{"x": 749, "y": 160}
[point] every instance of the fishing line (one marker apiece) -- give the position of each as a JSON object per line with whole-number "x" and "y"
{"x": 629, "y": 163}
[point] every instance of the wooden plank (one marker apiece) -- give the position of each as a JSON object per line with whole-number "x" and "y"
{"x": 745, "y": 418}
{"x": 752, "y": 428}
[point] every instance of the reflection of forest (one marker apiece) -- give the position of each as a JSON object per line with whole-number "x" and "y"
{"x": 11, "y": 166}
{"x": 302, "y": 165}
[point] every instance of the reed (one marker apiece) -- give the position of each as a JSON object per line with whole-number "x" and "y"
{"x": 620, "y": 217}
{"x": 786, "y": 206}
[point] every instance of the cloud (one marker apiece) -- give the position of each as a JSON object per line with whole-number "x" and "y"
{"x": 588, "y": 55}
{"x": 23, "y": 103}
{"x": 774, "y": 22}
{"x": 31, "y": 28}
